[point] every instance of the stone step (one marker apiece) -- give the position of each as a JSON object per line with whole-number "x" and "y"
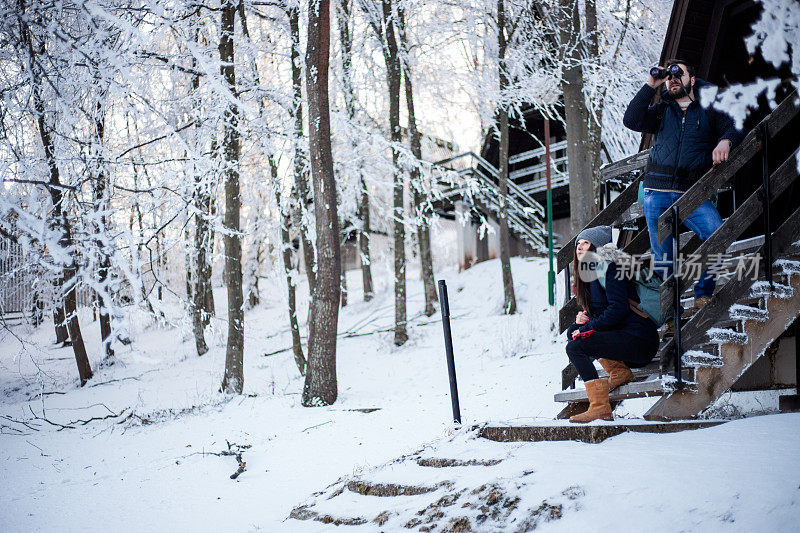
{"x": 386, "y": 489}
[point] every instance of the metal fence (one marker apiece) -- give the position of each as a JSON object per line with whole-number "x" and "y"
{"x": 19, "y": 282}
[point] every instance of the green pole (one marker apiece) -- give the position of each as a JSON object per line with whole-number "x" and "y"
{"x": 551, "y": 275}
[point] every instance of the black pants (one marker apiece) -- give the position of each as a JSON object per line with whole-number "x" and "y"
{"x": 634, "y": 351}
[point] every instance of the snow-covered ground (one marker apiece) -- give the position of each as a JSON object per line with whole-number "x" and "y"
{"x": 158, "y": 466}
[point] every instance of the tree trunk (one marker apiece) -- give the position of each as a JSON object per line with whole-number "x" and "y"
{"x": 422, "y": 219}
{"x": 60, "y": 323}
{"x": 393, "y": 77}
{"x": 233, "y": 382}
{"x": 363, "y": 242}
{"x": 343, "y": 273}
{"x": 509, "y": 298}
{"x": 101, "y": 206}
{"x": 595, "y": 112}
{"x": 300, "y": 170}
{"x": 289, "y": 270}
{"x": 201, "y": 279}
{"x": 346, "y": 40}
{"x": 67, "y": 282}
{"x": 582, "y": 203}
{"x": 320, "y": 385}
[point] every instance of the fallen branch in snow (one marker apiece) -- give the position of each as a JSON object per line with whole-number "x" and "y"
{"x": 135, "y": 378}
{"x": 238, "y": 454}
{"x": 82, "y": 422}
{"x": 235, "y": 450}
{"x": 25, "y": 423}
{"x": 318, "y": 425}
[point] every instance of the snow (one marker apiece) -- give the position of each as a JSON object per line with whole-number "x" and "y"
{"x": 158, "y": 466}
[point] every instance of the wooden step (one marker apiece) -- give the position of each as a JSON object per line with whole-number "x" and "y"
{"x": 641, "y": 372}
{"x": 697, "y": 358}
{"x": 738, "y": 350}
{"x": 637, "y": 389}
{"x": 762, "y": 289}
{"x": 724, "y": 336}
{"x": 747, "y": 312}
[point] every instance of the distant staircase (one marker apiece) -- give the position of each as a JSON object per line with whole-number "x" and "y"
{"x": 745, "y": 318}
{"x": 470, "y": 178}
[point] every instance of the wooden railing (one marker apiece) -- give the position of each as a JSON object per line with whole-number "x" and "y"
{"x": 745, "y": 214}
{"x": 713, "y": 180}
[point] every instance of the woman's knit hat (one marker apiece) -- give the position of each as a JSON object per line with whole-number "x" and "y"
{"x": 598, "y": 235}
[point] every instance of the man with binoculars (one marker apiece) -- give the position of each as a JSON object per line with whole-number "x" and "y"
{"x": 689, "y": 140}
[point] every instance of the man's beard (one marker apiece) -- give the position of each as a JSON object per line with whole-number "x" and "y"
{"x": 678, "y": 93}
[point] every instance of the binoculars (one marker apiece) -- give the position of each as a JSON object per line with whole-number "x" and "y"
{"x": 671, "y": 71}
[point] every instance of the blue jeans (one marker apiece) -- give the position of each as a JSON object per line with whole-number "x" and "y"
{"x": 703, "y": 222}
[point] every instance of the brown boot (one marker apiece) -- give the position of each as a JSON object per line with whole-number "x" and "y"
{"x": 597, "y": 391}
{"x": 618, "y": 373}
{"x": 701, "y": 301}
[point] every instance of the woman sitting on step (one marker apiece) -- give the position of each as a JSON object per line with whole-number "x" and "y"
{"x": 609, "y": 328}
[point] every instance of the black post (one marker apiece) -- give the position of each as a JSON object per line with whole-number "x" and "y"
{"x": 444, "y": 304}
{"x": 767, "y": 200}
{"x": 567, "y": 285}
{"x": 676, "y": 235}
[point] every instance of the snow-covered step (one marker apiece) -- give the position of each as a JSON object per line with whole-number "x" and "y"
{"x": 637, "y": 389}
{"x": 734, "y": 324}
{"x": 591, "y": 433}
{"x": 746, "y": 312}
{"x": 724, "y": 336}
{"x": 779, "y": 290}
{"x": 696, "y": 358}
{"x": 787, "y": 267}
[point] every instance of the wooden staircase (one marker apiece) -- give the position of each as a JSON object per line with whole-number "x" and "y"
{"x": 744, "y": 319}
{"x": 472, "y": 179}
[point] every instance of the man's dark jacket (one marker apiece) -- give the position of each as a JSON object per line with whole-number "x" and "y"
{"x": 683, "y": 146}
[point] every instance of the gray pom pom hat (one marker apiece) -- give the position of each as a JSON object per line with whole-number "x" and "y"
{"x": 598, "y": 236}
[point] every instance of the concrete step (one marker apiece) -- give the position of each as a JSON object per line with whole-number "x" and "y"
{"x": 592, "y": 433}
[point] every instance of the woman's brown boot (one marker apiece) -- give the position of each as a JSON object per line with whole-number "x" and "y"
{"x": 599, "y": 407}
{"x": 618, "y": 373}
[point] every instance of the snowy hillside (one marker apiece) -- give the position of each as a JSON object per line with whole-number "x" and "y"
{"x": 150, "y": 445}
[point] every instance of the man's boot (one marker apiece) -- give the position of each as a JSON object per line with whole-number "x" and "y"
{"x": 699, "y": 302}
{"x": 599, "y": 407}
{"x": 618, "y": 373}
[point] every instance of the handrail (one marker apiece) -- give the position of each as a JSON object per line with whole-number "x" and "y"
{"x": 607, "y": 216}
{"x": 536, "y": 152}
{"x": 732, "y": 228}
{"x": 633, "y": 162}
{"x": 720, "y": 174}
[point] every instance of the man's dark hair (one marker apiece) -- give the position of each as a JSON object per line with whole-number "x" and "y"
{"x": 689, "y": 67}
